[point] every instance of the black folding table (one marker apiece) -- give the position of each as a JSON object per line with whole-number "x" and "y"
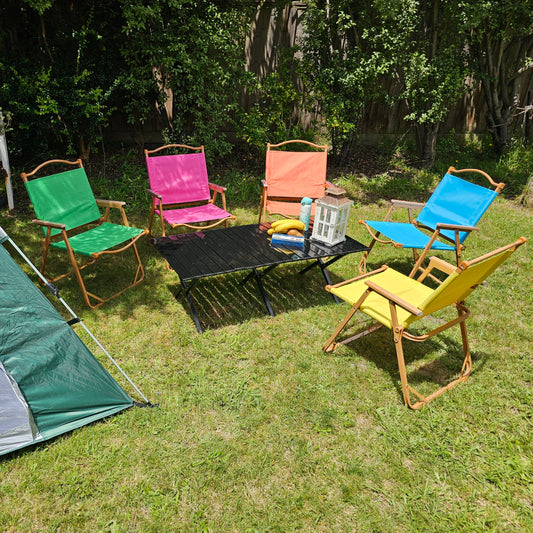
{"x": 220, "y": 251}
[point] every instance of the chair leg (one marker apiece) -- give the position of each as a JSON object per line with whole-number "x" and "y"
{"x": 92, "y": 300}
{"x": 46, "y": 248}
{"x": 397, "y": 336}
{"x": 262, "y": 207}
{"x": 330, "y": 345}
{"x": 85, "y": 293}
{"x": 407, "y": 389}
{"x": 362, "y": 263}
{"x": 151, "y": 221}
{"x": 467, "y": 363}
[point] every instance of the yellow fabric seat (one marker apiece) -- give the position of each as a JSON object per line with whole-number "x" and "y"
{"x": 396, "y": 301}
{"x": 376, "y": 306}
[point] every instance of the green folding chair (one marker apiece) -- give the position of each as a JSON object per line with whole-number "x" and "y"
{"x": 396, "y": 301}
{"x": 71, "y": 221}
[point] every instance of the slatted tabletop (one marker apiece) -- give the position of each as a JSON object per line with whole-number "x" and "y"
{"x": 221, "y": 251}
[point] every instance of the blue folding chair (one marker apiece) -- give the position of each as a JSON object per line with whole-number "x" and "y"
{"x": 443, "y": 223}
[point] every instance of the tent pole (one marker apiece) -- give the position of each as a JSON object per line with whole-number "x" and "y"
{"x": 53, "y": 289}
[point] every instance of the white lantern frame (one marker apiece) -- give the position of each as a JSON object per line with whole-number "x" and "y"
{"x": 331, "y": 217}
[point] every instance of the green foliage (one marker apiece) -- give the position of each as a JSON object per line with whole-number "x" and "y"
{"x": 338, "y": 65}
{"x": 516, "y": 165}
{"x": 190, "y": 52}
{"x": 500, "y": 52}
{"x": 275, "y": 112}
{"x": 122, "y": 177}
{"x": 53, "y": 75}
{"x": 360, "y": 52}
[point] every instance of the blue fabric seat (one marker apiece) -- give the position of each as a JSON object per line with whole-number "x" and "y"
{"x": 444, "y": 221}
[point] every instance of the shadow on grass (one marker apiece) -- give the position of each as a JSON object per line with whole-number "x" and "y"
{"x": 428, "y": 368}
{"x": 225, "y": 300}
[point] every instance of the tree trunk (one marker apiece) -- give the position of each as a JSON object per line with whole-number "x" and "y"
{"x": 426, "y": 142}
{"x": 527, "y": 196}
{"x": 84, "y": 148}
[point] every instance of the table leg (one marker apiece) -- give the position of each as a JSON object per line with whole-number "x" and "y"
{"x": 258, "y": 275}
{"x": 323, "y": 265}
{"x": 191, "y": 305}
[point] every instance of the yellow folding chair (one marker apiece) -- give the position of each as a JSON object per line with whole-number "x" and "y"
{"x": 396, "y": 301}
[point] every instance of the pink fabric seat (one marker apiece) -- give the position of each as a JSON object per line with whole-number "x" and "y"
{"x": 193, "y": 215}
{"x": 181, "y": 192}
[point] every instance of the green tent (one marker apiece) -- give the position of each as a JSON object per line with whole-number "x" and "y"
{"x": 50, "y": 382}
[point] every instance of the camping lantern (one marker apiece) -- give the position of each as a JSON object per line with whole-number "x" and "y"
{"x": 331, "y": 216}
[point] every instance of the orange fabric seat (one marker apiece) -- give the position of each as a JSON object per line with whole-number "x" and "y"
{"x": 291, "y": 176}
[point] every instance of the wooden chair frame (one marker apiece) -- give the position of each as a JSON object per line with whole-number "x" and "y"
{"x": 288, "y": 199}
{"x": 157, "y": 201}
{"x": 92, "y": 300}
{"x": 399, "y": 331}
{"x": 436, "y": 234}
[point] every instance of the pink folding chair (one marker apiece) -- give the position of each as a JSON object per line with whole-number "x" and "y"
{"x": 181, "y": 192}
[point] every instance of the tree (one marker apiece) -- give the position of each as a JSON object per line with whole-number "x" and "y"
{"x": 500, "y": 39}
{"x": 55, "y": 73}
{"x": 188, "y": 58}
{"x": 428, "y": 64}
{"x": 399, "y": 50}
{"x": 339, "y": 67}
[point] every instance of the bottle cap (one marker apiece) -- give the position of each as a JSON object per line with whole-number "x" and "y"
{"x": 307, "y": 201}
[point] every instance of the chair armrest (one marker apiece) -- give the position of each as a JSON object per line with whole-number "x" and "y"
{"x": 110, "y": 203}
{"x": 153, "y": 193}
{"x": 441, "y": 225}
{"x": 393, "y": 298}
{"x": 48, "y": 224}
{"x": 403, "y": 204}
{"x": 439, "y": 264}
{"x": 357, "y": 278}
{"x": 218, "y": 188}
{"x": 407, "y": 204}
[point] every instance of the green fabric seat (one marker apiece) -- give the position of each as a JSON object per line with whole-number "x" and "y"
{"x": 71, "y": 221}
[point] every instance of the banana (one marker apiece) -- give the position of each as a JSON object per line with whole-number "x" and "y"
{"x": 285, "y": 225}
{"x": 282, "y": 221}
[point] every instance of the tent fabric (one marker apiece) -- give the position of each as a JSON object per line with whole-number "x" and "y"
{"x": 45, "y": 368}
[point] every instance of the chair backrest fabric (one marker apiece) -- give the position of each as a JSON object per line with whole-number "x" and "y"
{"x": 296, "y": 174}
{"x": 456, "y": 201}
{"x": 179, "y": 178}
{"x": 458, "y": 285}
{"x": 64, "y": 198}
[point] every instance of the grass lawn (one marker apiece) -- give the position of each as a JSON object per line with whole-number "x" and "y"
{"x": 257, "y": 429}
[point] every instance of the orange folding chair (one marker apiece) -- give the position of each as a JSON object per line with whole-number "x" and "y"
{"x": 291, "y": 176}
